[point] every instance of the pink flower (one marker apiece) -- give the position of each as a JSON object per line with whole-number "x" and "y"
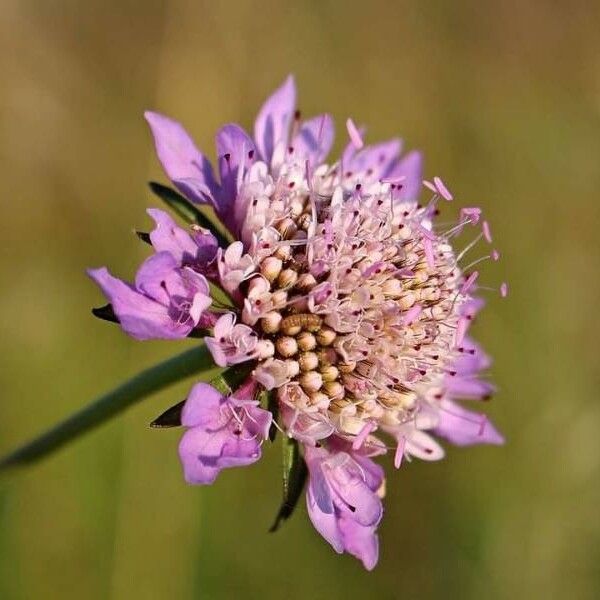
{"x": 343, "y": 501}
{"x": 351, "y": 307}
{"x": 233, "y": 343}
{"x": 222, "y": 432}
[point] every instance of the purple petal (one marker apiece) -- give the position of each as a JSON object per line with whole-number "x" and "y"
{"x": 167, "y": 236}
{"x": 376, "y": 161}
{"x": 235, "y": 150}
{"x": 202, "y": 406}
{"x": 199, "y": 453}
{"x": 360, "y": 541}
{"x": 179, "y": 156}
{"x": 411, "y": 168}
{"x": 221, "y": 436}
{"x": 353, "y": 495}
{"x": 156, "y": 278}
{"x": 273, "y": 122}
{"x": 322, "y": 516}
{"x": 464, "y": 427}
{"x": 468, "y": 387}
{"x": 314, "y": 139}
{"x": 259, "y": 421}
{"x": 140, "y": 317}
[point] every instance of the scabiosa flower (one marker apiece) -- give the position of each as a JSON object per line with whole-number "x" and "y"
{"x": 347, "y": 315}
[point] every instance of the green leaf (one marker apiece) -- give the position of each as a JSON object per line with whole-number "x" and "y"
{"x": 143, "y": 236}
{"x": 191, "y": 362}
{"x": 106, "y": 313}
{"x": 226, "y": 382}
{"x": 295, "y": 473}
{"x": 170, "y": 418}
{"x": 187, "y": 211}
{"x": 269, "y": 399}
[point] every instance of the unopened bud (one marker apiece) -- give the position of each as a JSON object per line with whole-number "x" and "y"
{"x": 270, "y": 268}
{"x": 309, "y": 361}
{"x": 311, "y": 381}
{"x": 270, "y": 322}
{"x": 286, "y": 346}
{"x": 326, "y": 336}
{"x": 306, "y": 341}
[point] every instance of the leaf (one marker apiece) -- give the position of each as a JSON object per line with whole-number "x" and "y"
{"x": 186, "y": 210}
{"x": 194, "y": 361}
{"x": 273, "y": 407}
{"x": 106, "y": 313}
{"x": 170, "y": 418}
{"x": 145, "y": 237}
{"x": 226, "y": 382}
{"x": 295, "y": 473}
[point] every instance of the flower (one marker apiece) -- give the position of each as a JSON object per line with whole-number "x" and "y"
{"x": 350, "y": 307}
{"x": 343, "y": 499}
{"x": 224, "y": 431}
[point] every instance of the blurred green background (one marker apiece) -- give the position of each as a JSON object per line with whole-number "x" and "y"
{"x": 504, "y": 98}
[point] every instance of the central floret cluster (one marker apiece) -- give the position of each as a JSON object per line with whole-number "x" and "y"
{"x": 344, "y": 309}
{"x": 352, "y": 303}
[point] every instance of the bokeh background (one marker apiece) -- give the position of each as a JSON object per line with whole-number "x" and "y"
{"x": 504, "y": 97}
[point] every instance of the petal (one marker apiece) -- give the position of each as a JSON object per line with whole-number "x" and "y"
{"x": 216, "y": 349}
{"x": 314, "y": 139}
{"x": 322, "y": 515}
{"x": 352, "y": 495}
{"x": 202, "y": 406}
{"x": 179, "y": 156}
{"x": 154, "y": 276}
{"x": 195, "y": 469}
{"x": 235, "y": 151}
{"x": 140, "y": 317}
{"x": 361, "y": 542}
{"x": 411, "y": 168}
{"x": 224, "y": 325}
{"x": 464, "y": 427}
{"x": 167, "y": 236}
{"x": 273, "y": 122}
{"x": 423, "y": 446}
{"x": 375, "y": 161}
{"x": 258, "y": 421}
{"x": 468, "y": 387}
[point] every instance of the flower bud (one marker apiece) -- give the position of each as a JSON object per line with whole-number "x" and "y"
{"x": 287, "y": 278}
{"x": 270, "y": 322}
{"x": 306, "y": 282}
{"x": 286, "y": 346}
{"x": 329, "y": 373}
{"x": 265, "y": 349}
{"x": 326, "y": 336}
{"x": 279, "y": 299}
{"x": 311, "y": 381}
{"x": 334, "y": 390}
{"x": 309, "y": 361}
{"x": 270, "y": 268}
{"x": 306, "y": 341}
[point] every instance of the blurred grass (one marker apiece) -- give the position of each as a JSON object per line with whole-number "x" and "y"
{"x": 505, "y": 100}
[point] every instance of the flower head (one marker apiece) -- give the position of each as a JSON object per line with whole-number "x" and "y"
{"x": 351, "y": 307}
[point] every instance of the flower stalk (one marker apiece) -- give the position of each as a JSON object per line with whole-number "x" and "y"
{"x": 193, "y": 361}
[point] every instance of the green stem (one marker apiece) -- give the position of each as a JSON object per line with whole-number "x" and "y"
{"x": 190, "y": 362}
